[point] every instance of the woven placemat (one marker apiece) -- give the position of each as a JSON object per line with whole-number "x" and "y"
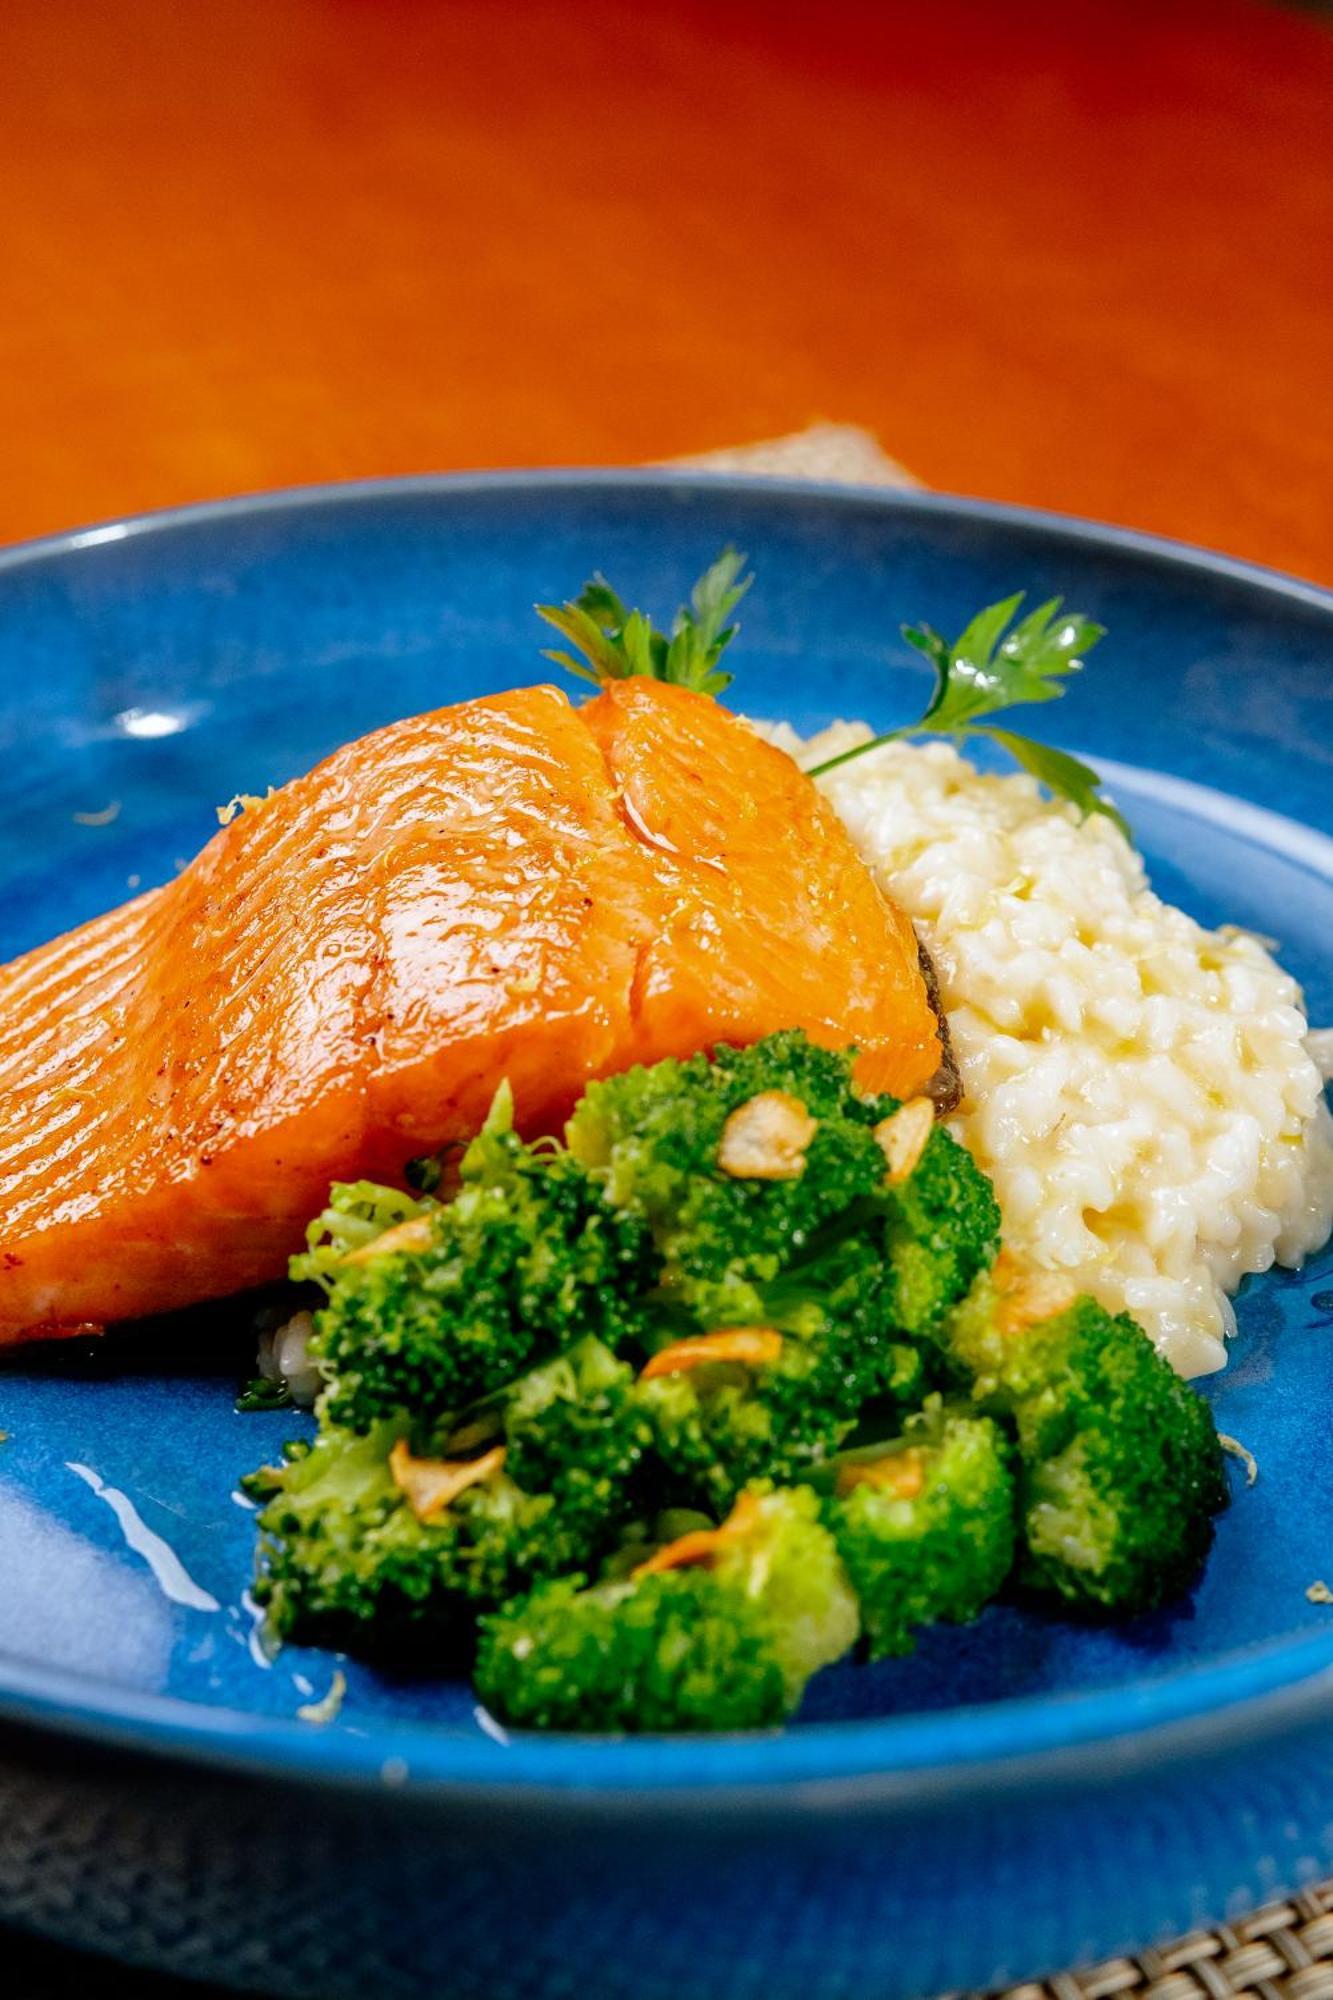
{"x": 1282, "y": 1952}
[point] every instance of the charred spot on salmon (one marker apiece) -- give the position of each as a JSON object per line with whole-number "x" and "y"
{"x": 945, "y": 1088}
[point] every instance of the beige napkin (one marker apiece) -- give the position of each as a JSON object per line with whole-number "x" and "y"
{"x": 841, "y": 452}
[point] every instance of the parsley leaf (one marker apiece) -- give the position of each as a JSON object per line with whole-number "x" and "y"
{"x": 617, "y": 643}
{"x": 988, "y": 668}
{"x": 997, "y": 663}
{"x": 1068, "y": 777}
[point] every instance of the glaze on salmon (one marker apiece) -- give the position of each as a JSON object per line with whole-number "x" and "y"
{"x": 508, "y": 888}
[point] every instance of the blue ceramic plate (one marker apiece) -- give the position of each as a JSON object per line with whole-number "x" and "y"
{"x": 1015, "y": 1796}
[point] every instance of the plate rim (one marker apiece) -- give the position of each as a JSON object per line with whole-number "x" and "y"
{"x": 895, "y": 1761}
{"x": 333, "y": 492}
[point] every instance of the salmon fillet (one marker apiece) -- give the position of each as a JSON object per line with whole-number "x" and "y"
{"x": 507, "y": 888}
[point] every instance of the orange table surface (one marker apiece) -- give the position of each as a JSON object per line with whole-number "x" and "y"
{"x": 1075, "y": 256}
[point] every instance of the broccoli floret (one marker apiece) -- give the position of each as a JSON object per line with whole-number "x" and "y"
{"x": 663, "y": 1143}
{"x": 345, "y": 1550}
{"x": 943, "y": 1228}
{"x": 342, "y": 1556}
{"x": 1121, "y": 1469}
{"x": 575, "y": 1428}
{"x": 665, "y": 1653}
{"x": 357, "y": 1213}
{"x": 736, "y": 1271}
{"x": 542, "y": 1244}
{"x": 525, "y": 1260}
{"x": 716, "y": 1428}
{"x": 727, "y": 1422}
{"x": 721, "y": 1425}
{"x": 656, "y": 1141}
{"x": 721, "y": 1630}
{"x": 925, "y": 1526}
{"x": 831, "y": 1300}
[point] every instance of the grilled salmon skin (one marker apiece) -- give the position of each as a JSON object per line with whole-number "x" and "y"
{"x": 508, "y": 888}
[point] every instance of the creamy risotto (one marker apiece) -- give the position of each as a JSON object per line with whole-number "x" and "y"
{"x": 1141, "y": 1090}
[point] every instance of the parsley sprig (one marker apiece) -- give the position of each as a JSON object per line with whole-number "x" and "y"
{"x": 1003, "y": 661}
{"x": 999, "y": 661}
{"x": 617, "y": 643}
